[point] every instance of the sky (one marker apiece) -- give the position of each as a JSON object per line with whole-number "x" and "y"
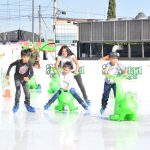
{"x": 17, "y": 14}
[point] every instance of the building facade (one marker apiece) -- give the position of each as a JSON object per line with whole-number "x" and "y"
{"x": 96, "y": 39}
{"x": 67, "y": 32}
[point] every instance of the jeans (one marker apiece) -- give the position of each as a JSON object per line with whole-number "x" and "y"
{"x": 107, "y": 89}
{"x": 18, "y": 84}
{"x": 81, "y": 86}
{"x": 72, "y": 91}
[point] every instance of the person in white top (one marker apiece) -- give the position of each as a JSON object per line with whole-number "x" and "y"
{"x": 66, "y": 55}
{"x": 113, "y": 67}
{"x": 66, "y": 84}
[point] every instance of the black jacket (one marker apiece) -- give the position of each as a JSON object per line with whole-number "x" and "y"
{"x": 22, "y": 69}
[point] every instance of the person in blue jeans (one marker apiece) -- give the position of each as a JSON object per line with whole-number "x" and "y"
{"x": 112, "y": 68}
{"x": 23, "y": 73}
{"x": 66, "y": 83}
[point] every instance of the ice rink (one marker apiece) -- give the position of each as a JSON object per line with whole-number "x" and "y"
{"x": 80, "y": 130}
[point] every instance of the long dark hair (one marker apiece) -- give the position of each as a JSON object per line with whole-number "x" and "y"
{"x": 69, "y": 52}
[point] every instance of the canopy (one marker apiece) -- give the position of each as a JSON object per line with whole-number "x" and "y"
{"x": 42, "y": 46}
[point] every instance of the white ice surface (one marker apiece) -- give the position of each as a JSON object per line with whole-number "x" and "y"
{"x": 50, "y": 130}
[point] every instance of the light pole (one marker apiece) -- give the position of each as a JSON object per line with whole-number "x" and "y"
{"x": 33, "y": 21}
{"x": 54, "y": 18}
{"x": 54, "y": 22}
{"x": 40, "y": 32}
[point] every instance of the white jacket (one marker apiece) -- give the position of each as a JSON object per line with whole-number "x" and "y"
{"x": 67, "y": 80}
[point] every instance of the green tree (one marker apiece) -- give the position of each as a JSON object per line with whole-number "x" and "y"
{"x": 111, "y": 9}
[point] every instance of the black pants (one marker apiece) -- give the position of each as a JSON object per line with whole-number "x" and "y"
{"x": 18, "y": 84}
{"x": 81, "y": 86}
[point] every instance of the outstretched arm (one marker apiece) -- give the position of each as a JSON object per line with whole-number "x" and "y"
{"x": 10, "y": 66}
{"x": 57, "y": 65}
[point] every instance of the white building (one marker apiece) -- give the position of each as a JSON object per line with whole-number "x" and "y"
{"x": 67, "y": 32}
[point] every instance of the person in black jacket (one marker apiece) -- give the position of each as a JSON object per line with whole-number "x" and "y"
{"x": 23, "y": 73}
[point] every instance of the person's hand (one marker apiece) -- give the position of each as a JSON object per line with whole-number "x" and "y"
{"x": 106, "y": 71}
{"x": 7, "y": 77}
{"x": 65, "y": 88}
{"x": 58, "y": 73}
{"x": 76, "y": 72}
{"x": 25, "y": 78}
{"x": 125, "y": 73}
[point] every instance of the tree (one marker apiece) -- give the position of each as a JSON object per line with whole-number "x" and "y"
{"x": 111, "y": 9}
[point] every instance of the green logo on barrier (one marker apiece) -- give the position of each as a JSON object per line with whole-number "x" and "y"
{"x": 81, "y": 70}
{"x": 133, "y": 72}
{"x": 50, "y": 72}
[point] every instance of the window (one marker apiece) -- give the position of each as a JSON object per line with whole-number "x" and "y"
{"x": 96, "y": 50}
{"x": 84, "y": 50}
{"x": 136, "y": 50}
{"x": 107, "y": 49}
{"x": 146, "y": 50}
{"x": 124, "y": 51}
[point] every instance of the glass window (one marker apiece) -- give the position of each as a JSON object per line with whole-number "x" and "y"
{"x": 146, "y": 50}
{"x": 107, "y": 48}
{"x": 84, "y": 50}
{"x": 124, "y": 51}
{"x": 136, "y": 50}
{"x": 96, "y": 50}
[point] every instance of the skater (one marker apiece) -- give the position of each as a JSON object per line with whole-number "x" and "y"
{"x": 66, "y": 83}
{"x": 65, "y": 54}
{"x": 34, "y": 55}
{"x": 112, "y": 68}
{"x": 37, "y": 74}
{"x": 23, "y": 73}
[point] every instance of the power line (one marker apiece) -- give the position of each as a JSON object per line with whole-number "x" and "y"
{"x": 46, "y": 24}
{"x": 14, "y": 2}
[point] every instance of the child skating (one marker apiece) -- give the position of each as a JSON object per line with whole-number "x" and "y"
{"x": 66, "y": 82}
{"x": 112, "y": 68}
{"x": 23, "y": 73}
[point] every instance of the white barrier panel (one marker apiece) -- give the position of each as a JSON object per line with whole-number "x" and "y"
{"x": 94, "y": 80}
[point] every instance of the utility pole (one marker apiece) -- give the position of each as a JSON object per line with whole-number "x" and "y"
{"x": 19, "y": 16}
{"x": 40, "y": 31}
{"x": 33, "y": 21}
{"x": 54, "y": 20}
